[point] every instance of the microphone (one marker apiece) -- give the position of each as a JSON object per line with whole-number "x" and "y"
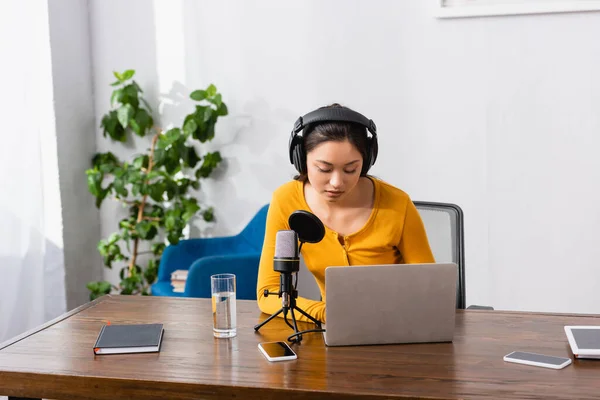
{"x": 305, "y": 227}
{"x": 286, "y": 258}
{"x": 286, "y": 261}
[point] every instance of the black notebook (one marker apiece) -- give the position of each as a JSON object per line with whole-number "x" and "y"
{"x": 135, "y": 338}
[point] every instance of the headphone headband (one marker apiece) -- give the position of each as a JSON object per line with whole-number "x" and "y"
{"x": 331, "y": 114}
{"x": 335, "y": 114}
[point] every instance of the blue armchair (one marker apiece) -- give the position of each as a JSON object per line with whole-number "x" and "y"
{"x": 203, "y": 257}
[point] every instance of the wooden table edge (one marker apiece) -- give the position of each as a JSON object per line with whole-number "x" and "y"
{"x": 187, "y": 390}
{"x": 56, "y": 320}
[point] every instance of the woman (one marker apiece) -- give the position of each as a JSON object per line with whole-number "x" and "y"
{"x": 367, "y": 221}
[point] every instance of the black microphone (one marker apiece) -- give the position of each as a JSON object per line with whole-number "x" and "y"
{"x": 305, "y": 227}
{"x": 287, "y": 262}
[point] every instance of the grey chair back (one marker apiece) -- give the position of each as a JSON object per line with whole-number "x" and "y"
{"x": 444, "y": 225}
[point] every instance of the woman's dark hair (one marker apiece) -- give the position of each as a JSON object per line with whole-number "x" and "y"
{"x": 315, "y": 134}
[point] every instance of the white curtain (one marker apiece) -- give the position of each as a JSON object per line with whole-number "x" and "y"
{"x": 32, "y": 285}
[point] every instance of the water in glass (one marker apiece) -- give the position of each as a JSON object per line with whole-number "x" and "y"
{"x": 224, "y": 314}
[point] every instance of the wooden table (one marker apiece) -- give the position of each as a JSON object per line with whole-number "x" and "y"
{"x": 56, "y": 360}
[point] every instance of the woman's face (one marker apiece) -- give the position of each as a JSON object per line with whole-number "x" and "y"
{"x": 334, "y": 169}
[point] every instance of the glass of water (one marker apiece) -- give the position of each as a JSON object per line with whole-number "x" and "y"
{"x": 223, "y": 305}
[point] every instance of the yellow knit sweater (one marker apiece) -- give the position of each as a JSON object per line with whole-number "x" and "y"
{"x": 393, "y": 234}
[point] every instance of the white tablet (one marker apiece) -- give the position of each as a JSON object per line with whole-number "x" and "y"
{"x": 584, "y": 340}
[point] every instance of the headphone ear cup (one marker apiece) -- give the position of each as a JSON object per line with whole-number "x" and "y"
{"x": 368, "y": 161}
{"x": 296, "y": 153}
{"x": 300, "y": 158}
{"x": 374, "y": 149}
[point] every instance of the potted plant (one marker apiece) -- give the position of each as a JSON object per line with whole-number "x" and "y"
{"x": 155, "y": 185}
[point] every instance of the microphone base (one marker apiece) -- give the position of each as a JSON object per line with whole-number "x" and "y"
{"x": 297, "y": 336}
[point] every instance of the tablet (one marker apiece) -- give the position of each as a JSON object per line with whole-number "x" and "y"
{"x": 584, "y": 340}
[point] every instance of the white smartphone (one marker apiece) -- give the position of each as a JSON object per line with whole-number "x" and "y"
{"x": 538, "y": 360}
{"x": 277, "y": 351}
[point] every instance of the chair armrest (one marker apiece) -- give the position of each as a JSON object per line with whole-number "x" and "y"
{"x": 183, "y": 254}
{"x": 475, "y": 307}
{"x": 243, "y": 266}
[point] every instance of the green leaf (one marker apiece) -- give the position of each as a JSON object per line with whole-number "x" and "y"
{"x": 217, "y": 100}
{"x": 135, "y": 175}
{"x": 136, "y": 127}
{"x": 209, "y": 215}
{"x": 190, "y": 157}
{"x": 191, "y": 208}
{"x": 113, "y": 238}
{"x": 151, "y": 271}
{"x": 130, "y": 95}
{"x": 104, "y": 159}
{"x": 208, "y": 114}
{"x": 143, "y": 120}
{"x": 111, "y": 126}
{"x": 141, "y": 161}
{"x": 157, "y": 211}
{"x": 127, "y": 290}
{"x": 173, "y": 135}
{"x": 137, "y": 87}
{"x": 170, "y": 222}
{"x": 117, "y": 83}
{"x": 198, "y": 95}
{"x": 116, "y": 96}
{"x": 101, "y": 197}
{"x": 222, "y": 110}
{"x": 124, "y": 113}
{"x": 211, "y": 161}
{"x": 158, "y": 248}
{"x": 211, "y": 90}
{"x": 171, "y": 162}
{"x": 119, "y": 187}
{"x": 104, "y": 287}
{"x": 173, "y": 237}
{"x": 146, "y": 230}
{"x": 171, "y": 189}
{"x": 118, "y": 75}
{"x": 190, "y": 127}
{"x": 93, "y": 286}
{"x": 156, "y": 191}
{"x": 94, "y": 180}
{"x": 128, "y": 74}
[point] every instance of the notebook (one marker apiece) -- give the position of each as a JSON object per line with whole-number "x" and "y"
{"x": 132, "y": 338}
{"x": 390, "y": 304}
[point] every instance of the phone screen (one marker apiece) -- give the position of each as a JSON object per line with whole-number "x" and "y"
{"x": 540, "y": 358}
{"x": 277, "y": 349}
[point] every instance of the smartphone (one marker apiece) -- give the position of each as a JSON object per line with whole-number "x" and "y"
{"x": 277, "y": 351}
{"x": 538, "y": 360}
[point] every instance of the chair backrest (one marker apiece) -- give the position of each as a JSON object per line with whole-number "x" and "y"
{"x": 254, "y": 232}
{"x": 444, "y": 225}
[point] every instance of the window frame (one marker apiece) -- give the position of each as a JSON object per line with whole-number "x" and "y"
{"x": 523, "y": 8}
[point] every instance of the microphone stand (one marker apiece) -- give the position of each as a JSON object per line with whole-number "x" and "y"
{"x": 288, "y": 292}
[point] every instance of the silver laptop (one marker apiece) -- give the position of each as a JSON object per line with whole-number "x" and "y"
{"x": 385, "y": 304}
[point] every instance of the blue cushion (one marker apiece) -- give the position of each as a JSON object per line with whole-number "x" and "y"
{"x": 187, "y": 252}
{"x": 164, "y": 289}
{"x": 243, "y": 266}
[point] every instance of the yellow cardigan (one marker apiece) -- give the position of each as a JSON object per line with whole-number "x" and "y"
{"x": 393, "y": 234}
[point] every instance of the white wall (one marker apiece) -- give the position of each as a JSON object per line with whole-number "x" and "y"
{"x": 498, "y": 115}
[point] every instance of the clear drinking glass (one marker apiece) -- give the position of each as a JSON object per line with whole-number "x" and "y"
{"x": 223, "y": 305}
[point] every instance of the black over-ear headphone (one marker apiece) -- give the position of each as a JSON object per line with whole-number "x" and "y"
{"x": 332, "y": 114}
